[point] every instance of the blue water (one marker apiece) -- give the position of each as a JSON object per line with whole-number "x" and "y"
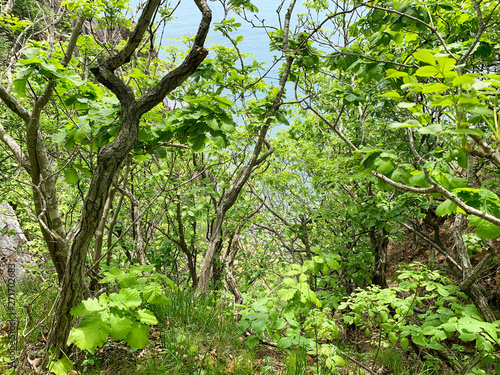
{"x": 255, "y": 40}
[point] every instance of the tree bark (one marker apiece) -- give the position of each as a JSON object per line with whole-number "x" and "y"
{"x": 469, "y": 284}
{"x": 380, "y": 241}
{"x": 110, "y": 156}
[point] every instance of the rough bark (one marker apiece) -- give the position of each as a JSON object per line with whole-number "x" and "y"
{"x": 228, "y": 265}
{"x": 99, "y": 238}
{"x": 469, "y": 284}
{"x": 110, "y": 156}
{"x": 380, "y": 241}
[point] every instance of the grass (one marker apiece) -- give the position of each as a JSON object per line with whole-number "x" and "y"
{"x": 198, "y": 336}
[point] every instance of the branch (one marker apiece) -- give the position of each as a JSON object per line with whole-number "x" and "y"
{"x": 16, "y": 150}
{"x": 177, "y": 76}
{"x": 431, "y": 242}
{"x": 430, "y": 27}
{"x": 135, "y": 38}
{"x": 486, "y": 152}
{"x": 436, "y": 188}
{"x": 334, "y": 128}
{"x": 14, "y": 105}
{"x": 72, "y": 41}
{"x": 481, "y": 266}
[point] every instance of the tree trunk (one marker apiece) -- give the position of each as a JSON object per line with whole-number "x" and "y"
{"x": 228, "y": 265}
{"x": 469, "y": 285}
{"x": 229, "y": 197}
{"x": 109, "y": 160}
{"x": 380, "y": 242}
{"x": 110, "y": 156}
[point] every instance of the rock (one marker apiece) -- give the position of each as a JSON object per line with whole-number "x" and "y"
{"x": 11, "y": 239}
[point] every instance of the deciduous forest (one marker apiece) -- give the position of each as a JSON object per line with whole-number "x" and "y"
{"x": 195, "y": 210}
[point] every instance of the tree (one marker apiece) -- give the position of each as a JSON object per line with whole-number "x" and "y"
{"x": 68, "y": 249}
{"x": 418, "y": 56}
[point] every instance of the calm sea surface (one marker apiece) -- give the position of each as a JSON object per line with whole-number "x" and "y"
{"x": 255, "y": 40}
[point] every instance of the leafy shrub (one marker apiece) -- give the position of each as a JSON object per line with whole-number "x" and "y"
{"x": 426, "y": 309}
{"x": 121, "y": 315}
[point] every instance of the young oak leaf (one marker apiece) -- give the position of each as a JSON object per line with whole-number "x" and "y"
{"x": 138, "y": 336}
{"x": 125, "y": 300}
{"x": 92, "y": 333}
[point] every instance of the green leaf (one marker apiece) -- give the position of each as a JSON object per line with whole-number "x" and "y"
{"x": 419, "y": 339}
{"x": 434, "y": 129}
{"x": 391, "y": 94}
{"x": 404, "y": 342}
{"x": 120, "y": 326}
{"x": 468, "y": 79}
{"x": 466, "y": 131}
{"x": 258, "y": 326}
{"x": 138, "y": 336}
{"x": 284, "y": 342}
{"x": 443, "y": 101}
{"x": 339, "y": 360}
{"x": 428, "y": 71}
{"x": 252, "y": 342}
{"x": 59, "y": 137}
{"x": 127, "y": 299}
{"x": 485, "y": 228}
{"x": 83, "y": 130}
{"x": 61, "y": 367}
{"x": 198, "y": 144}
{"x": 393, "y": 337}
{"x": 446, "y": 208}
{"x": 227, "y": 127}
{"x": 87, "y": 307}
{"x": 92, "y": 333}
{"x": 370, "y": 158}
{"x": 467, "y": 337}
{"x": 392, "y": 73}
{"x": 146, "y": 317}
{"x": 425, "y": 56}
{"x": 70, "y": 176}
{"x": 219, "y": 141}
{"x": 434, "y": 87}
{"x": 153, "y": 293}
{"x": 446, "y": 64}
{"x": 406, "y": 105}
{"x": 73, "y": 77}
{"x": 383, "y": 165}
{"x": 287, "y": 294}
{"x": 280, "y": 324}
{"x": 22, "y": 79}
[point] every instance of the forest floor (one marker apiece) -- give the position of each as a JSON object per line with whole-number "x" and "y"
{"x": 199, "y": 336}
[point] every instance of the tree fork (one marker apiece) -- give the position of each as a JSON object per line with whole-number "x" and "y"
{"x": 111, "y": 156}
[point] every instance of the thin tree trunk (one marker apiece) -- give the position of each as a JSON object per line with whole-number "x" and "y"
{"x": 380, "y": 242}
{"x": 469, "y": 285}
{"x": 99, "y": 237}
{"x": 231, "y": 195}
{"x": 228, "y": 265}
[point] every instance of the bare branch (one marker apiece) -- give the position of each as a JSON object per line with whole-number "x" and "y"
{"x": 14, "y": 105}
{"x": 436, "y": 188}
{"x": 15, "y": 148}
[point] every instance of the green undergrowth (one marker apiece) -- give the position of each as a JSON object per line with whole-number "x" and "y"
{"x": 198, "y": 336}
{"x": 194, "y": 335}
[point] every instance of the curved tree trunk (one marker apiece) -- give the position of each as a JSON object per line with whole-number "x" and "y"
{"x": 110, "y": 156}
{"x": 231, "y": 195}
